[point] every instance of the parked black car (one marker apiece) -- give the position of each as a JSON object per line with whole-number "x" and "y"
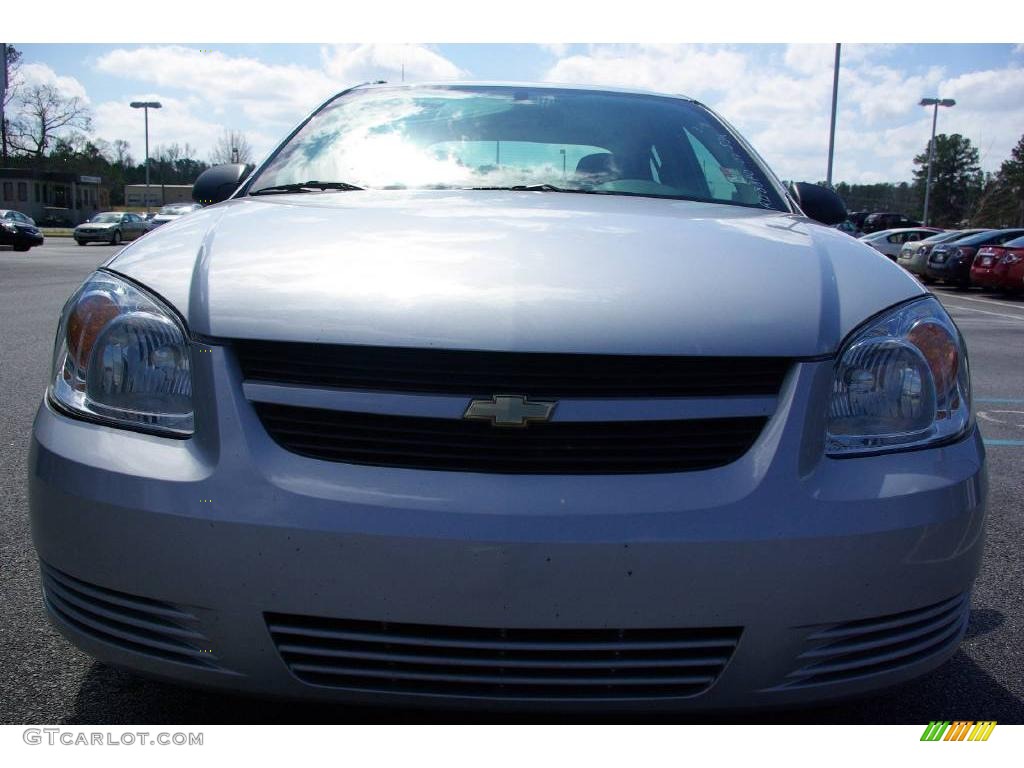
{"x": 18, "y": 230}
{"x": 875, "y": 222}
{"x": 857, "y": 219}
{"x": 951, "y": 262}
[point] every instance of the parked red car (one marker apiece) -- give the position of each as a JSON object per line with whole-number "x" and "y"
{"x": 1009, "y": 271}
{"x": 985, "y": 271}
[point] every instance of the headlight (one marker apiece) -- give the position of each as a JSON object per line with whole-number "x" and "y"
{"x": 900, "y": 382}
{"x": 8, "y": 227}
{"x": 121, "y": 357}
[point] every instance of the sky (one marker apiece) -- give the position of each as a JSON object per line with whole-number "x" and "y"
{"x": 777, "y": 96}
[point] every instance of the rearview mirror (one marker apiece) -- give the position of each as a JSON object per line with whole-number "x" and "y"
{"x": 819, "y": 203}
{"x": 219, "y": 183}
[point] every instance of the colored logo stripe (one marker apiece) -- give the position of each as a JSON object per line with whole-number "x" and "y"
{"x": 982, "y": 730}
{"x": 959, "y": 730}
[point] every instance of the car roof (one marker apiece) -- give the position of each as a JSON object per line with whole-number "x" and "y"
{"x": 517, "y": 84}
{"x": 981, "y": 237}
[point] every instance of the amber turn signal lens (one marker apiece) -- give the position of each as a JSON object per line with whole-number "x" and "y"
{"x": 940, "y": 350}
{"x": 88, "y": 318}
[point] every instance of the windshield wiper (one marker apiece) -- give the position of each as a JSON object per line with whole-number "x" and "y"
{"x": 542, "y": 188}
{"x": 307, "y": 186}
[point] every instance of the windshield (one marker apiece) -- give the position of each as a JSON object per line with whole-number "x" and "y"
{"x": 460, "y": 137}
{"x": 943, "y": 237}
{"x": 998, "y": 235}
{"x": 105, "y": 218}
{"x": 175, "y": 209}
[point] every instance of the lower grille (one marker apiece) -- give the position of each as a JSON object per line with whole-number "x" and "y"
{"x": 134, "y": 623}
{"x": 613, "y": 447}
{"x": 502, "y": 663}
{"x": 871, "y": 646}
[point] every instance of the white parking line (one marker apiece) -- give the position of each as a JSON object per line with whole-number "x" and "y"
{"x": 985, "y": 301}
{"x": 983, "y": 312}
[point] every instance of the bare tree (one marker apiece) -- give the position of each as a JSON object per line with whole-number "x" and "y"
{"x": 12, "y": 63}
{"x": 121, "y": 154}
{"x": 231, "y": 147}
{"x": 44, "y": 113}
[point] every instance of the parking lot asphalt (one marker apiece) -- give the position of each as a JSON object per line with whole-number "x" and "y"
{"x": 43, "y": 679}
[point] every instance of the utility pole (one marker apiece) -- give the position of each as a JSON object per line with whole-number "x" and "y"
{"x": 3, "y": 94}
{"x": 936, "y": 103}
{"x": 145, "y": 106}
{"x": 832, "y": 127}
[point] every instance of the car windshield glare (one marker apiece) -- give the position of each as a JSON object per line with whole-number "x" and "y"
{"x": 105, "y": 218}
{"x": 459, "y": 137}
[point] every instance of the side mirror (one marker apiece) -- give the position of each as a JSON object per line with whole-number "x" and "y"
{"x": 819, "y": 203}
{"x": 219, "y": 183}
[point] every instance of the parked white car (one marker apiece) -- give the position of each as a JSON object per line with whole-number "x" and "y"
{"x": 889, "y": 241}
{"x": 172, "y": 212}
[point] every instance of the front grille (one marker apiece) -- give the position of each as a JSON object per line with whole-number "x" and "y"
{"x": 131, "y": 622}
{"x": 871, "y": 646}
{"x": 486, "y": 373}
{"x": 611, "y": 447}
{"x": 502, "y": 663}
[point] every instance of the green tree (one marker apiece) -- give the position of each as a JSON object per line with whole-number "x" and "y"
{"x": 957, "y": 180}
{"x": 1002, "y": 201}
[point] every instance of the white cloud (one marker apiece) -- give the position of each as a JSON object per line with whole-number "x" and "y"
{"x": 41, "y": 74}
{"x": 225, "y": 83}
{"x": 687, "y": 69}
{"x": 175, "y": 122}
{"x": 781, "y": 101}
{"x": 351, "y": 64}
{"x": 235, "y": 90}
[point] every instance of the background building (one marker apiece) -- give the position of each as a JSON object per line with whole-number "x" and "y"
{"x": 135, "y": 194}
{"x": 53, "y": 197}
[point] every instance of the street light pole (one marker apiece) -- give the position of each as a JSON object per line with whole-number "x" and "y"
{"x": 936, "y": 103}
{"x": 145, "y": 106}
{"x": 832, "y": 127}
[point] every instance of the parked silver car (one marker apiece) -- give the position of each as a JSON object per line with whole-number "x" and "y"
{"x": 913, "y": 255}
{"x": 110, "y": 227}
{"x": 560, "y": 400}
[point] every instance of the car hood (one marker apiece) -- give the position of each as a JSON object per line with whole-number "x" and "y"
{"x": 96, "y": 225}
{"x": 529, "y": 271}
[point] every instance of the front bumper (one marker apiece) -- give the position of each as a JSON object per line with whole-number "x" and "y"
{"x": 914, "y": 263}
{"x": 804, "y": 559}
{"x": 985, "y": 277}
{"x": 93, "y": 237}
{"x": 20, "y": 238}
{"x": 948, "y": 271}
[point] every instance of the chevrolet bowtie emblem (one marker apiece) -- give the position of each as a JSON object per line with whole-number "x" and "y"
{"x": 509, "y": 410}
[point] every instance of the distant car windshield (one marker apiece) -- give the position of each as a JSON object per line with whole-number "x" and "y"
{"x": 982, "y": 238}
{"x": 458, "y": 137}
{"x": 942, "y": 237}
{"x": 105, "y": 218}
{"x": 176, "y": 209}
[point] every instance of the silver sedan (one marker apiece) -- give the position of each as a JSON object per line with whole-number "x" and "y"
{"x": 112, "y": 227}
{"x": 561, "y": 400}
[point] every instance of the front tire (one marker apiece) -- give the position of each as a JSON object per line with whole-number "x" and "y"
{"x": 22, "y": 248}
{"x": 80, "y": 242}
{"x": 116, "y": 239}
